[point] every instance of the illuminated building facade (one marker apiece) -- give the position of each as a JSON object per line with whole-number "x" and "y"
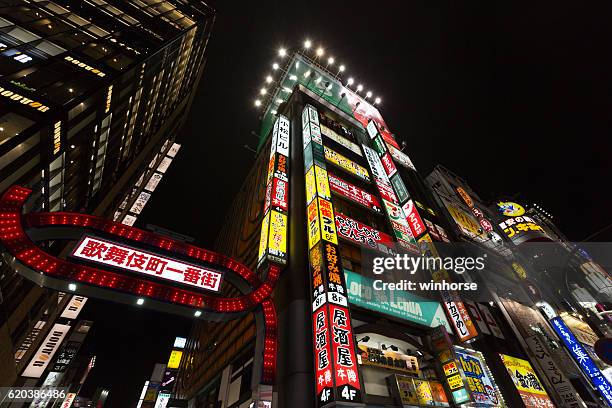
{"x": 92, "y": 96}
{"x": 539, "y": 284}
{"x": 330, "y": 189}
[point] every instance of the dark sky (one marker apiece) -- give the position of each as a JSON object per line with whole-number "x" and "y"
{"x": 515, "y": 98}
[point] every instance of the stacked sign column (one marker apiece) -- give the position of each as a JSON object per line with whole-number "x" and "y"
{"x": 407, "y": 223}
{"x": 336, "y": 372}
{"x": 273, "y": 241}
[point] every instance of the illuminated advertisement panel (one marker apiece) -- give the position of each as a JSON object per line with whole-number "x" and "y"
{"x": 314, "y": 230}
{"x": 74, "y": 307}
{"x": 380, "y": 177}
{"x": 346, "y": 164}
{"x": 582, "y": 358}
{"x": 337, "y": 376}
{"x": 399, "y": 304}
{"x": 388, "y": 165}
{"x": 362, "y": 234}
{"x": 526, "y": 382}
{"x": 354, "y": 193}
{"x": 414, "y": 219}
{"x": 277, "y": 238}
{"x": 460, "y": 319}
{"x": 322, "y": 350}
{"x": 480, "y": 382}
{"x": 340, "y": 140}
{"x": 273, "y": 237}
{"x": 46, "y": 351}
{"x": 522, "y": 229}
{"x": 328, "y": 224}
{"x": 343, "y": 348}
{"x": 400, "y": 226}
{"x": 135, "y": 260}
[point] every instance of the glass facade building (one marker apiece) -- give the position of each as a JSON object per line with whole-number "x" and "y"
{"x": 92, "y": 97}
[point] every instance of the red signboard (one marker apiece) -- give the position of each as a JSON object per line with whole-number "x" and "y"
{"x": 347, "y": 378}
{"x": 322, "y": 349}
{"x": 354, "y": 193}
{"x": 362, "y": 234}
{"x": 413, "y": 218}
{"x": 279, "y": 194}
{"x": 387, "y": 163}
{"x": 135, "y": 260}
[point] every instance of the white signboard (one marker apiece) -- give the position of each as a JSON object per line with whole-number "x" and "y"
{"x": 74, "y": 307}
{"x": 174, "y": 150}
{"x": 46, "y": 351}
{"x": 282, "y": 141}
{"x": 129, "y": 220}
{"x": 165, "y": 163}
{"x": 153, "y": 182}
{"x": 143, "y": 262}
{"x": 140, "y": 202}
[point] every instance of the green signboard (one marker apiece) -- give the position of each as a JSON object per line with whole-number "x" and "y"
{"x": 396, "y": 303}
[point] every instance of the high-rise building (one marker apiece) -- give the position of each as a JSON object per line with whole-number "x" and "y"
{"x": 530, "y": 266}
{"x": 92, "y": 97}
{"x": 330, "y": 190}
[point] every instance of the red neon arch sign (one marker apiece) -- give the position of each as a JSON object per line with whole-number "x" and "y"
{"x": 28, "y": 256}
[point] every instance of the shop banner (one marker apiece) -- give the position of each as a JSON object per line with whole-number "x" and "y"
{"x": 380, "y": 176}
{"x": 582, "y": 357}
{"x": 354, "y": 193}
{"x": 397, "y": 303}
{"x": 460, "y": 319}
{"x": 363, "y": 235}
{"x": 322, "y": 350}
{"x": 399, "y": 223}
{"x": 414, "y": 219}
{"x": 527, "y": 382}
{"x": 346, "y": 164}
{"x": 482, "y": 387}
{"x": 522, "y": 229}
{"x": 340, "y": 140}
{"x": 388, "y": 165}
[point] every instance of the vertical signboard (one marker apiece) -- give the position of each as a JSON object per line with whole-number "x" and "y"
{"x": 46, "y": 351}
{"x": 562, "y": 385}
{"x": 480, "y": 381}
{"x": 336, "y": 372}
{"x": 74, "y": 307}
{"x": 527, "y": 383}
{"x": 395, "y": 214}
{"x": 274, "y": 225}
{"x": 582, "y": 357}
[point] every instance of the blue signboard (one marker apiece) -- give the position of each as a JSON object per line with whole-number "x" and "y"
{"x": 583, "y": 359}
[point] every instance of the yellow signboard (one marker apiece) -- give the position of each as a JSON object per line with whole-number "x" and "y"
{"x": 311, "y": 187}
{"x": 523, "y": 376}
{"x": 322, "y": 182}
{"x": 466, "y": 222}
{"x": 328, "y": 222}
{"x": 346, "y": 164}
{"x": 175, "y": 359}
{"x": 314, "y": 228}
{"x": 455, "y": 382}
{"x": 423, "y": 392}
{"x": 277, "y": 240}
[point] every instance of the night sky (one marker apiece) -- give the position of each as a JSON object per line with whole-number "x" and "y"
{"x": 516, "y": 99}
